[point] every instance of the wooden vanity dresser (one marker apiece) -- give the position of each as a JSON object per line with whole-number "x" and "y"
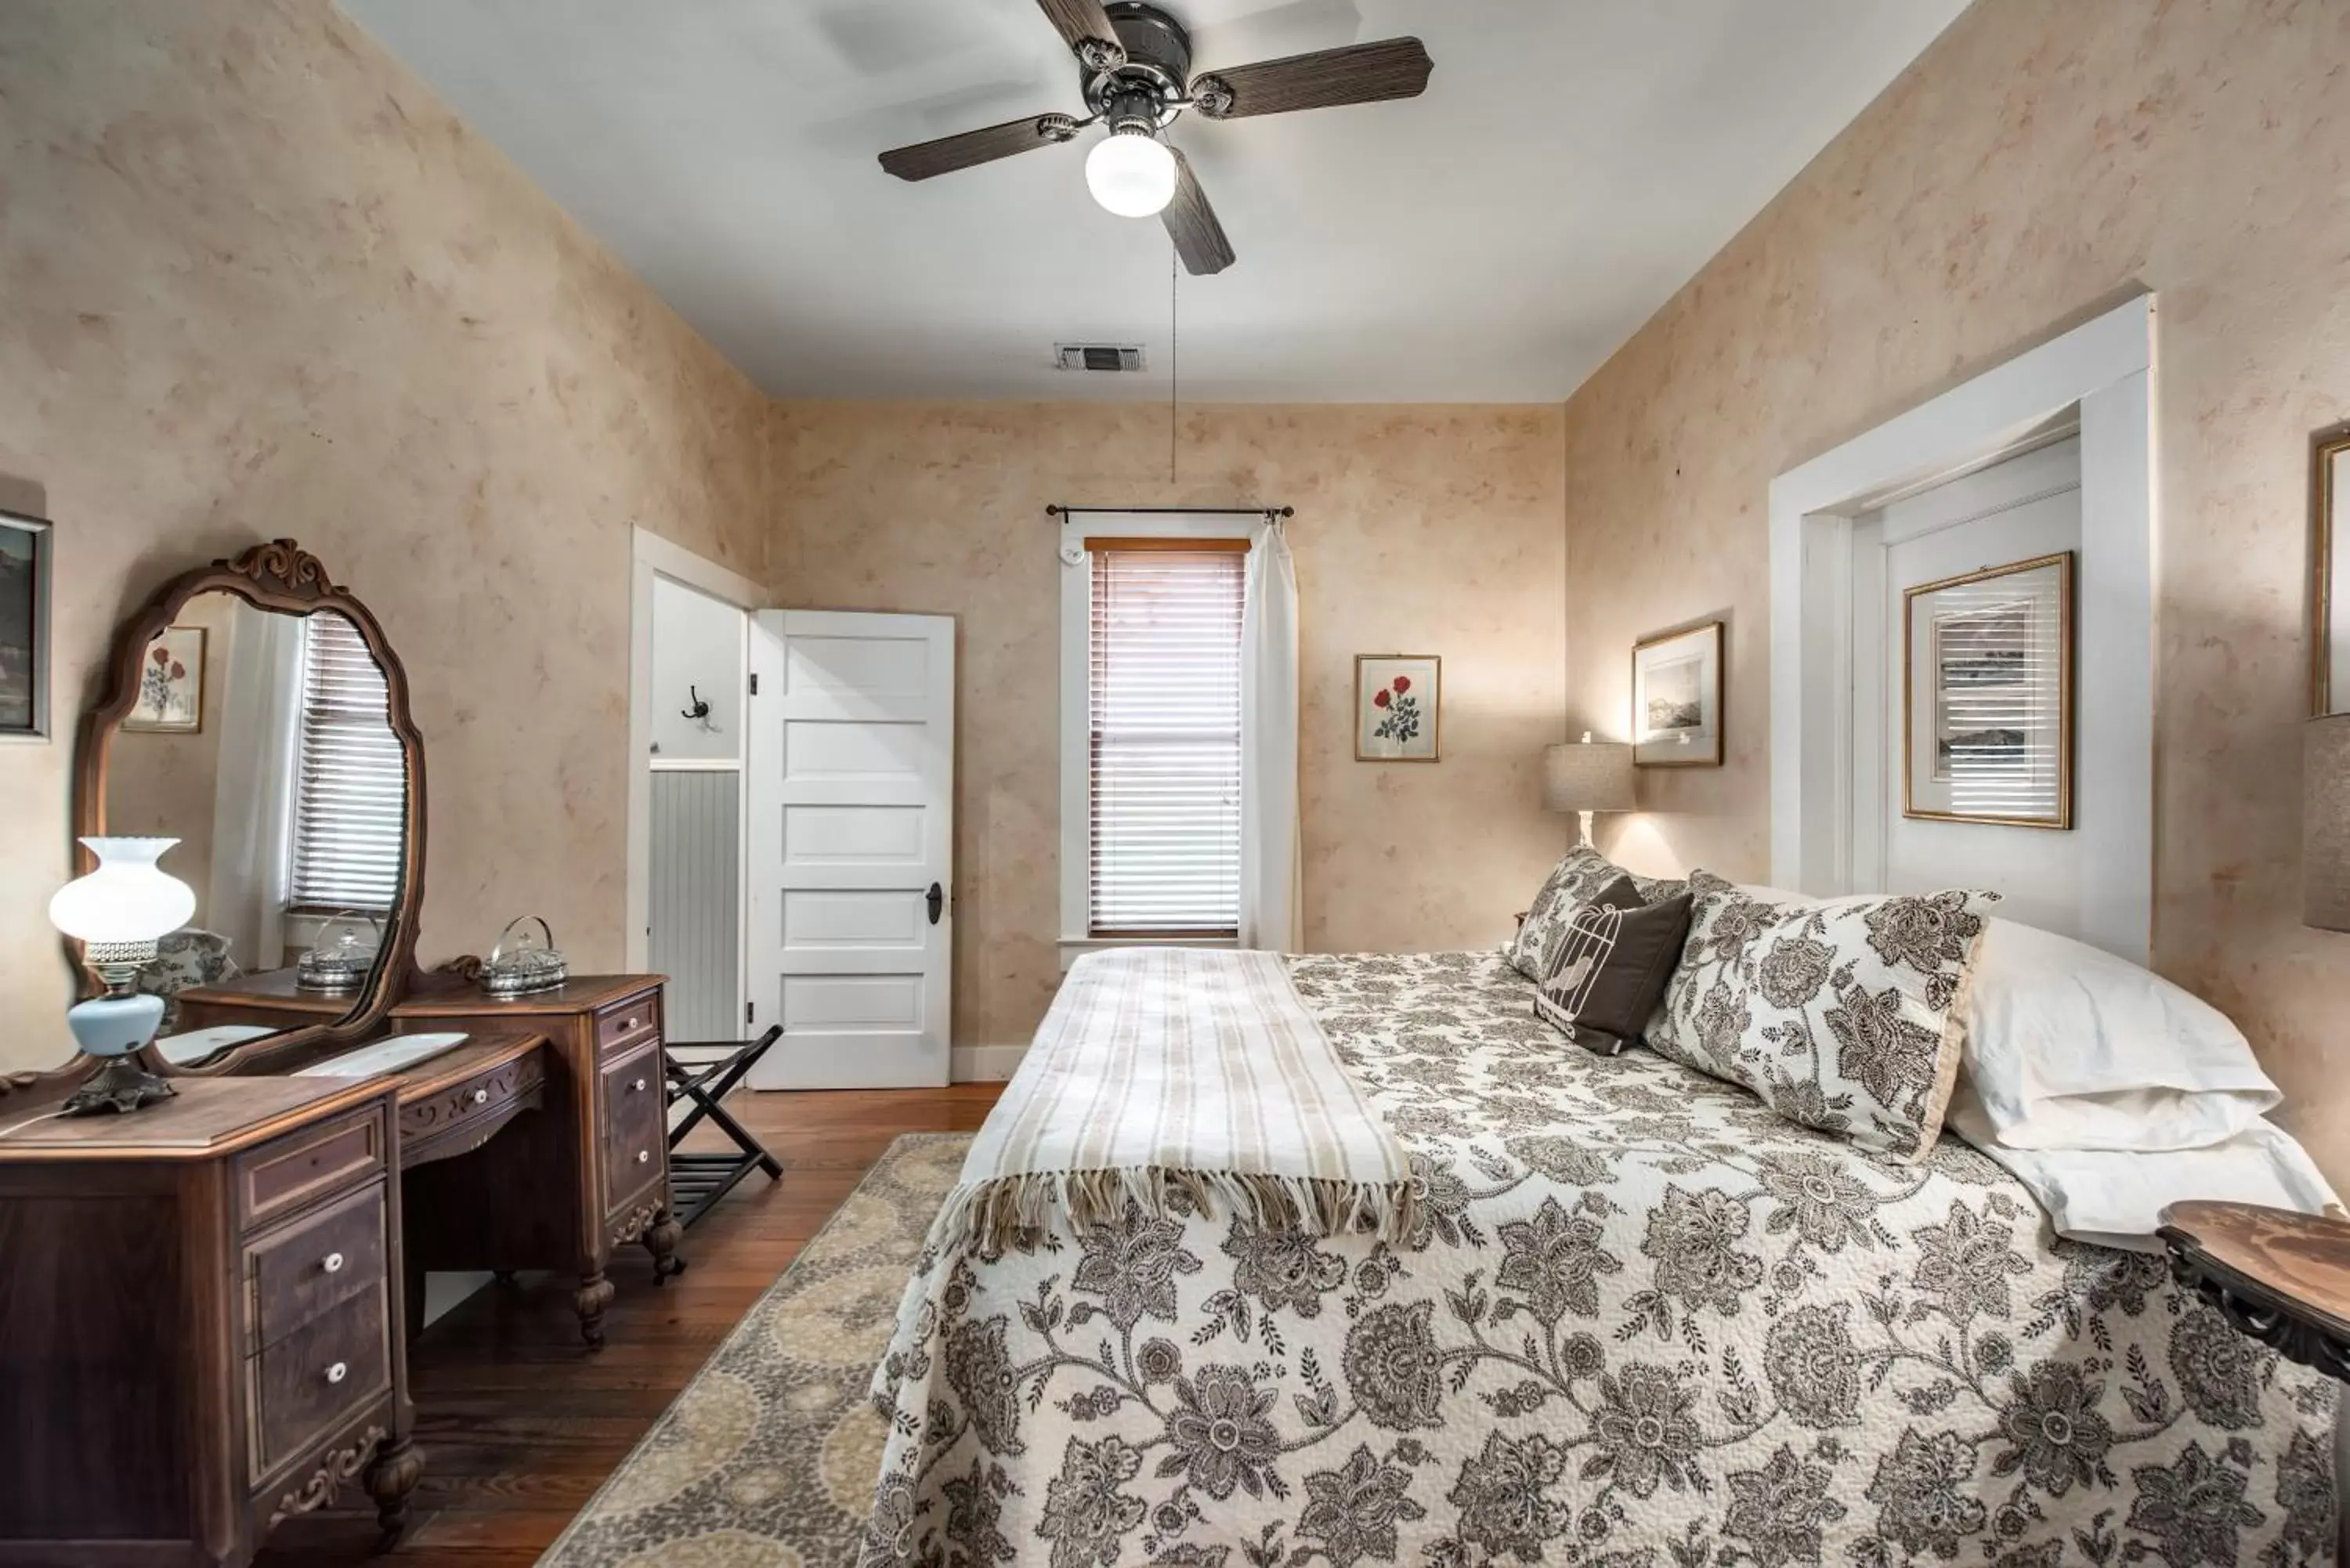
{"x": 198, "y": 1336}
{"x": 205, "y": 1305}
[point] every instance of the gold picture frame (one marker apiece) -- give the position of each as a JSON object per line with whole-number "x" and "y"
{"x": 1696, "y": 712}
{"x": 1995, "y": 728}
{"x": 1384, "y": 684}
{"x": 2329, "y": 490}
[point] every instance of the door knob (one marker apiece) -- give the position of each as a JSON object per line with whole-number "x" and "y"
{"x": 937, "y": 900}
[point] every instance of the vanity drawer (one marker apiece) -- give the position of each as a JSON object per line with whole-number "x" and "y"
{"x": 478, "y": 1099}
{"x": 316, "y": 1377}
{"x": 299, "y": 1272}
{"x": 635, "y": 1128}
{"x": 298, "y": 1170}
{"x": 626, "y": 1023}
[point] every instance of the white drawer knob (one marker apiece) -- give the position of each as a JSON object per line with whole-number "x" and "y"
{"x": 332, "y": 1263}
{"x": 337, "y": 1372}
{"x": 480, "y": 1097}
{"x": 638, "y": 1087}
{"x": 644, "y": 1157}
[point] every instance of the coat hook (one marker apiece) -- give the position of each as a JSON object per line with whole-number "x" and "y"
{"x": 701, "y": 708}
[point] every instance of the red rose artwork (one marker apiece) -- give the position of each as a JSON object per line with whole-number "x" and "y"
{"x": 167, "y": 685}
{"x": 1379, "y": 699}
{"x": 1402, "y": 684}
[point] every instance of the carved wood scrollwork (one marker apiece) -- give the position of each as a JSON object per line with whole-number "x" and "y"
{"x": 633, "y": 1224}
{"x": 282, "y": 566}
{"x": 340, "y": 1465}
{"x": 433, "y": 1115}
{"x": 2262, "y": 1318}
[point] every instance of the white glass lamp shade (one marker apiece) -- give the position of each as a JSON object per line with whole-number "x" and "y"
{"x": 1594, "y": 775}
{"x": 127, "y": 899}
{"x": 1131, "y": 173}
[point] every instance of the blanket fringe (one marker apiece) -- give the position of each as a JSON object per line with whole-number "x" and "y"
{"x": 987, "y": 1217}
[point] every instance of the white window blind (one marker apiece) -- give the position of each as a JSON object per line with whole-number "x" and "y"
{"x": 350, "y": 784}
{"x": 1165, "y": 679}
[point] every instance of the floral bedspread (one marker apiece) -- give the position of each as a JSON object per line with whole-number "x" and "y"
{"x": 1645, "y": 1322}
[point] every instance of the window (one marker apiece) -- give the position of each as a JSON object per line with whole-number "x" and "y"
{"x": 351, "y": 780}
{"x": 1164, "y": 733}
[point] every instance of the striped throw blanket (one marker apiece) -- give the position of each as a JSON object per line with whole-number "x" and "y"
{"x": 1180, "y": 1069}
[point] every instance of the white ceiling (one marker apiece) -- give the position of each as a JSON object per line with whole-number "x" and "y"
{"x": 1571, "y": 164}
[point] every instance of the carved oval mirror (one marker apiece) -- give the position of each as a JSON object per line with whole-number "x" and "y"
{"x": 255, "y": 712}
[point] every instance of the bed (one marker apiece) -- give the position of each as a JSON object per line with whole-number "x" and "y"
{"x": 1635, "y": 1320}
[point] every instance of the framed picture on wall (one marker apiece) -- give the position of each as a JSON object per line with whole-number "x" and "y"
{"x": 1397, "y": 702}
{"x": 24, "y": 627}
{"x": 1676, "y": 699}
{"x": 2329, "y": 510}
{"x": 171, "y": 684}
{"x": 1987, "y": 706}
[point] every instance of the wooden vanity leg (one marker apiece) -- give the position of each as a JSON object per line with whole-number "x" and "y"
{"x": 661, "y": 1239}
{"x": 594, "y": 1294}
{"x": 399, "y": 1465}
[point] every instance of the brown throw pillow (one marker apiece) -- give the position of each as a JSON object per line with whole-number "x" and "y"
{"x": 1578, "y": 877}
{"x": 1614, "y": 958}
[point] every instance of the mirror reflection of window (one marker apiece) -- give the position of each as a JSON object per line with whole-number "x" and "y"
{"x": 350, "y": 781}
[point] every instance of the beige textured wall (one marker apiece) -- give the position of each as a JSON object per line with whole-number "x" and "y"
{"x": 255, "y": 280}
{"x": 2040, "y": 160}
{"x": 1419, "y": 530}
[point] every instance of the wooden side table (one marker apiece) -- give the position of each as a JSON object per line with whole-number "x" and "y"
{"x": 2281, "y": 1277}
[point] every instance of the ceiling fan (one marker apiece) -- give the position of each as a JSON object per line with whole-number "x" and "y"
{"x": 1136, "y": 79}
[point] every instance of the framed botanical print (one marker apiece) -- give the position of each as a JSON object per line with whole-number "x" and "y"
{"x": 1398, "y": 702}
{"x": 171, "y": 684}
{"x": 1987, "y": 704}
{"x": 1676, "y": 699}
{"x": 24, "y": 627}
{"x": 2330, "y": 511}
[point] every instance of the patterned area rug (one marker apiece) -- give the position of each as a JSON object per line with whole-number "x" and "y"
{"x": 768, "y": 1459}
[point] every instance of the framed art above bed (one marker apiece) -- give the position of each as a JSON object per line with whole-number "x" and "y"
{"x": 1987, "y": 696}
{"x": 1676, "y": 699}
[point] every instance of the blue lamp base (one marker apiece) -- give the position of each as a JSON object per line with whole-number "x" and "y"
{"x": 113, "y": 1029}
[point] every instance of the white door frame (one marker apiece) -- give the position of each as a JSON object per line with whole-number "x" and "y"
{"x": 651, "y": 556}
{"x": 2103, "y": 368}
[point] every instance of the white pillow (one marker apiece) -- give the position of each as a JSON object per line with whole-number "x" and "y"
{"x": 2069, "y": 1047}
{"x": 2115, "y": 1198}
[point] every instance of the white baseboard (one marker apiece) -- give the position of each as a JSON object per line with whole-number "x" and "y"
{"x": 983, "y": 1064}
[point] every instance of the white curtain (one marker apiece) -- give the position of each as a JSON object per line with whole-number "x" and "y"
{"x": 255, "y": 791}
{"x": 1270, "y": 912}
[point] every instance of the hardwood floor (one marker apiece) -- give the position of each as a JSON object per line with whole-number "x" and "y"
{"x": 520, "y": 1422}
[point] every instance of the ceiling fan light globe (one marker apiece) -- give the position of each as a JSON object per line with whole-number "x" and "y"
{"x": 1131, "y": 174}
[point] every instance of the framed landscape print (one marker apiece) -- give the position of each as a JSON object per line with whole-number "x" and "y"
{"x": 1987, "y": 706}
{"x": 2330, "y": 509}
{"x": 1397, "y": 700}
{"x": 24, "y": 627}
{"x": 171, "y": 684}
{"x": 1677, "y": 699}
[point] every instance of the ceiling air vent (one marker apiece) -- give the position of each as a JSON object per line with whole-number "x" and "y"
{"x": 1097, "y": 356}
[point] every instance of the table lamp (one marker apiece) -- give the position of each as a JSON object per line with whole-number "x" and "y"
{"x": 119, "y": 912}
{"x": 1594, "y": 775}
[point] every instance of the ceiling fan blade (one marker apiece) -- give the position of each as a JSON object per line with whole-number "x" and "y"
{"x": 1359, "y": 73}
{"x": 1192, "y": 224}
{"x": 1084, "y": 27}
{"x": 948, "y": 153}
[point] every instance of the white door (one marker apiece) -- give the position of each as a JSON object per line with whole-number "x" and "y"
{"x": 2027, "y": 507}
{"x": 851, "y": 847}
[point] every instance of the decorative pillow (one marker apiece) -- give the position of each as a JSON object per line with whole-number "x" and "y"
{"x": 1846, "y": 1014}
{"x": 1574, "y": 881}
{"x": 1614, "y": 960}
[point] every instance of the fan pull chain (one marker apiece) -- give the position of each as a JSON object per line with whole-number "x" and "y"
{"x": 1174, "y": 366}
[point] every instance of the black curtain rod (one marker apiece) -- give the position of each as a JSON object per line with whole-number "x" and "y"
{"x": 1171, "y": 511}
